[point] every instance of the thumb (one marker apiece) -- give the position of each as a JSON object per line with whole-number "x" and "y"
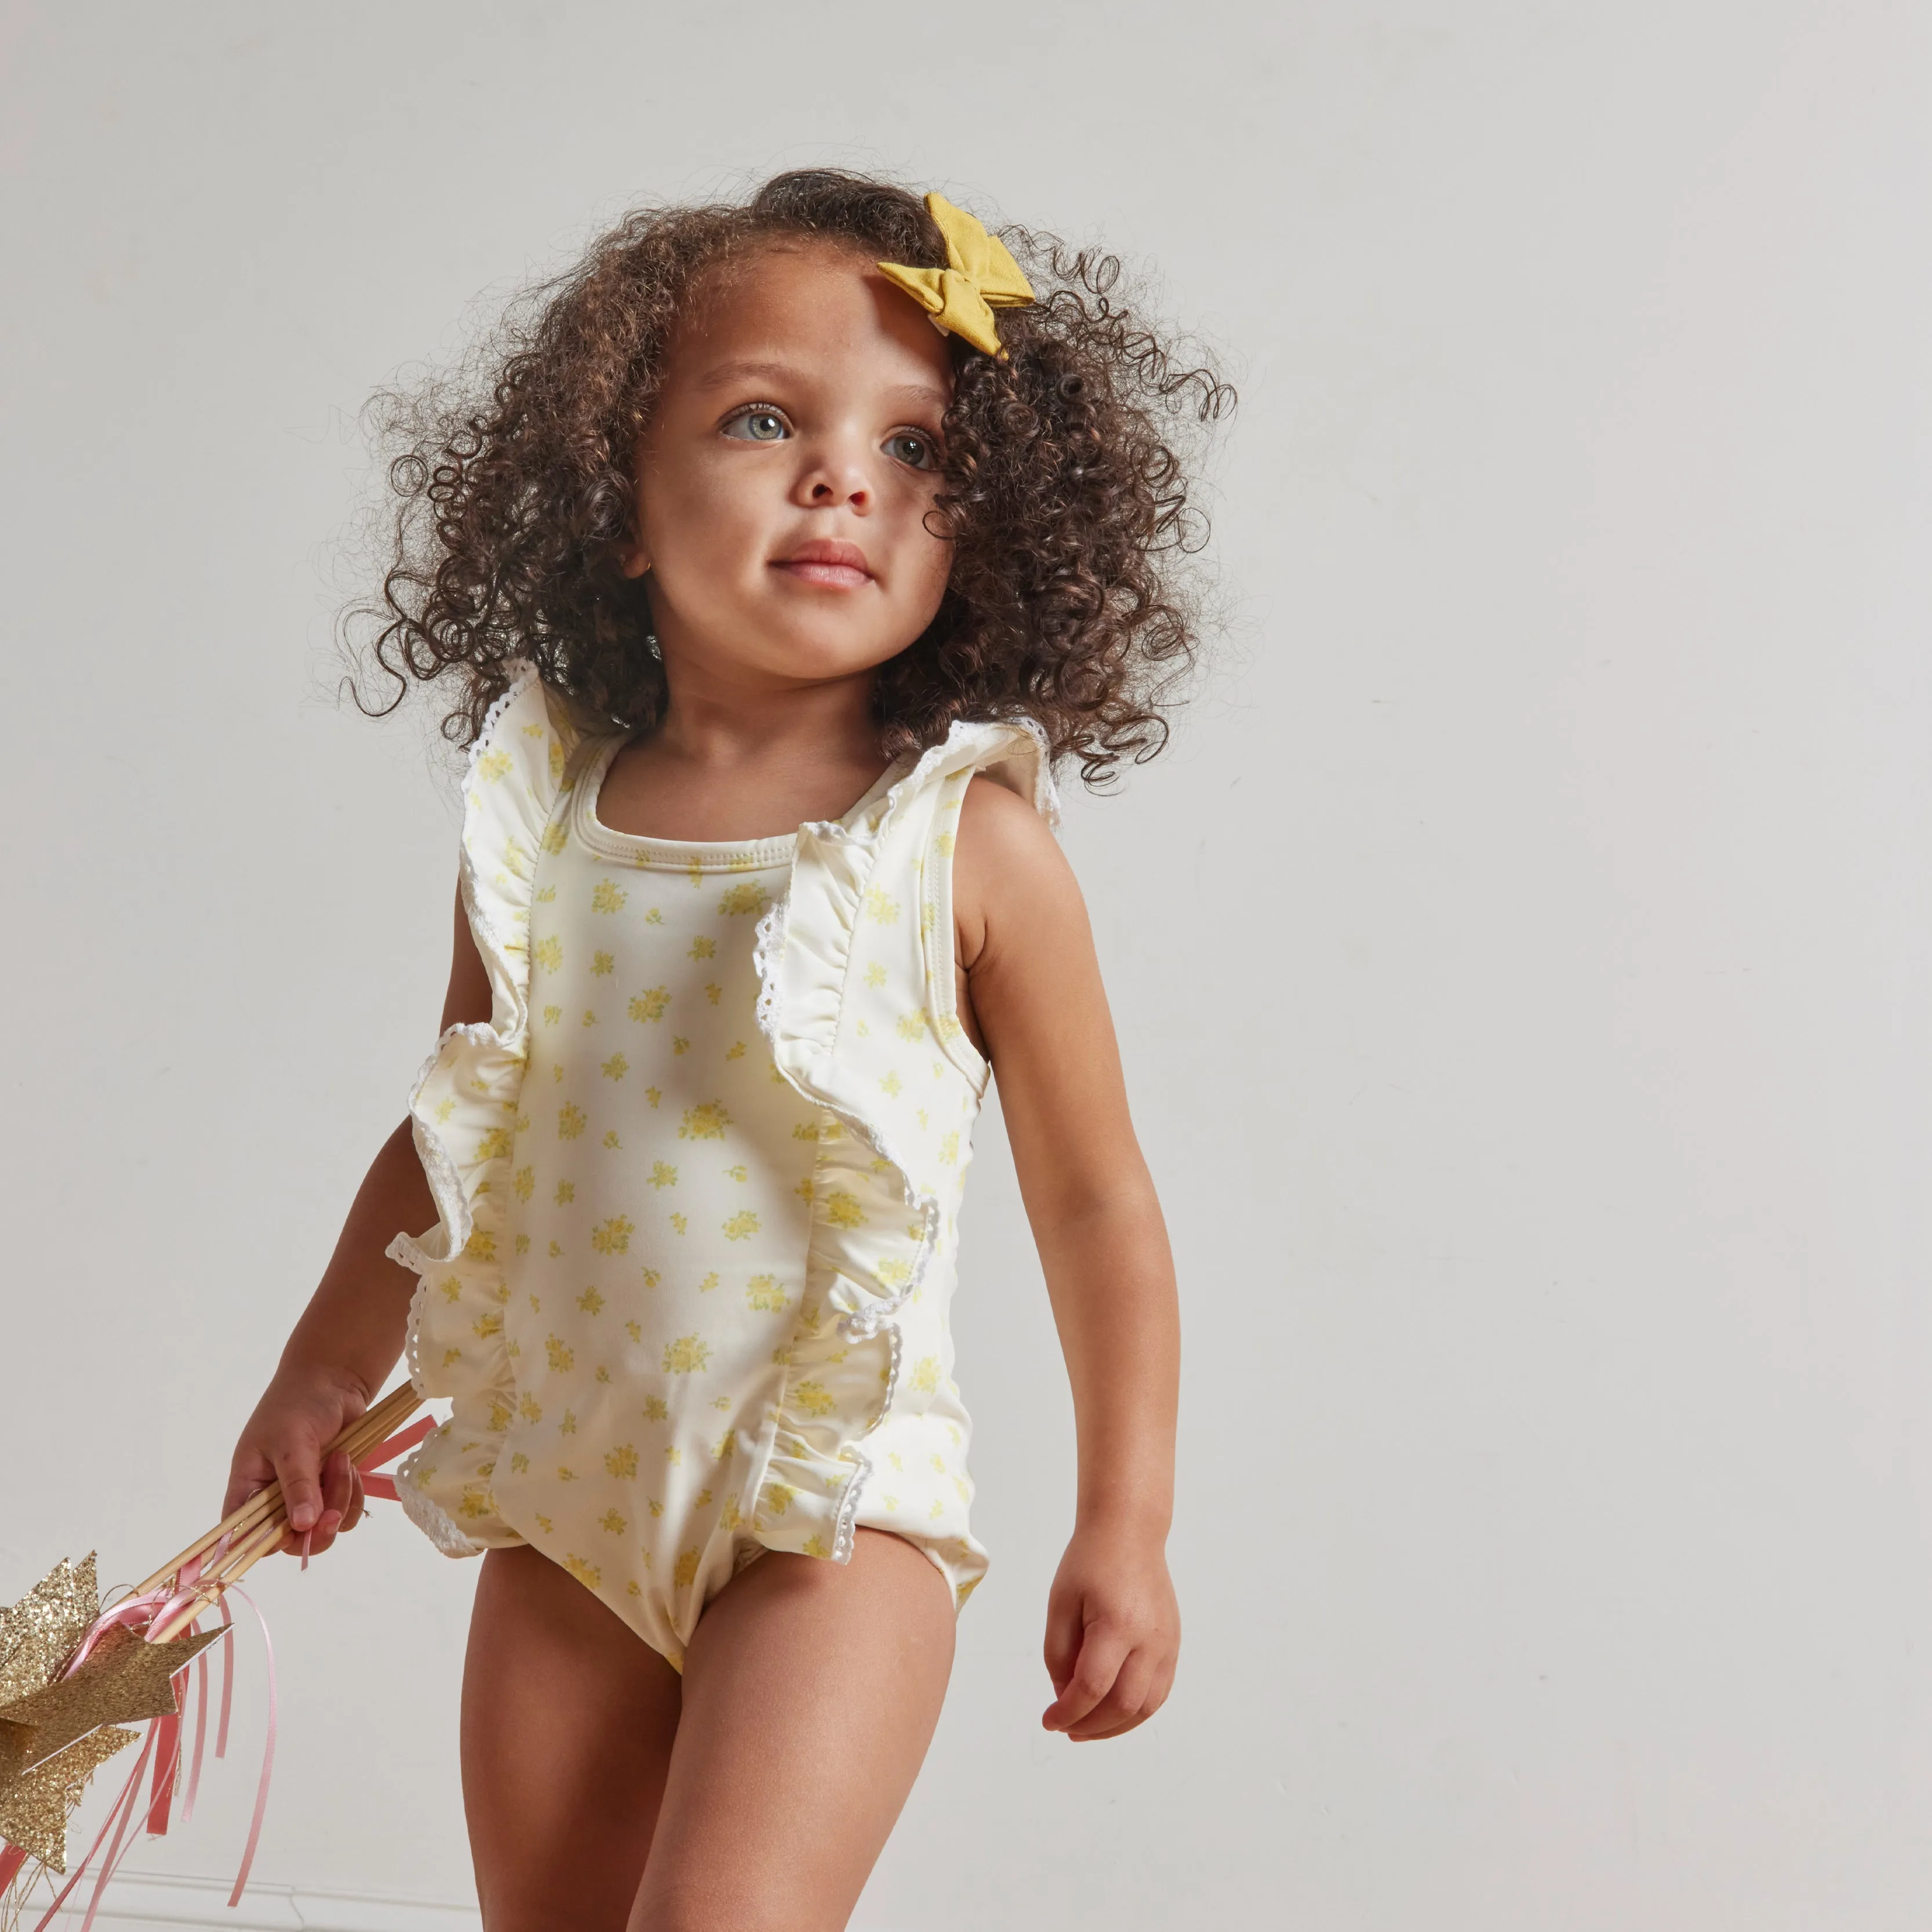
{"x": 1065, "y": 1625}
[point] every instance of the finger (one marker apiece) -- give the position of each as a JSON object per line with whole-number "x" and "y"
{"x": 338, "y": 1485}
{"x": 1064, "y": 1621}
{"x": 1101, "y": 1653}
{"x": 1156, "y": 1695}
{"x": 1121, "y": 1706}
{"x": 1117, "y": 1731}
{"x": 251, "y": 1472}
{"x": 359, "y": 1502}
{"x": 298, "y": 1467}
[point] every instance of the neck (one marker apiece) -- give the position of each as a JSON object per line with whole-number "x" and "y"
{"x": 721, "y": 722}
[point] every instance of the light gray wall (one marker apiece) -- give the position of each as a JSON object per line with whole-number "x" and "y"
{"x": 1522, "y": 960}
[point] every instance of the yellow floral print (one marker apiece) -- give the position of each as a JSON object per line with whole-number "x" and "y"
{"x": 603, "y": 965}
{"x": 613, "y": 1236}
{"x": 622, "y": 1460}
{"x": 880, "y": 905}
{"x": 764, "y": 1292}
{"x": 609, "y": 896}
{"x": 742, "y": 1226}
{"x": 750, "y": 897}
{"x": 591, "y": 1302}
{"x": 686, "y": 1356}
{"x": 616, "y": 1067}
{"x": 560, "y": 1357}
{"x": 651, "y": 1004}
{"x": 548, "y": 953}
{"x": 706, "y": 1122}
{"x": 842, "y": 1209}
{"x": 570, "y": 1121}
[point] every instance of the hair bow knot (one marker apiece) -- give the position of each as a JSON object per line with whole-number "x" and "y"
{"x": 980, "y": 276}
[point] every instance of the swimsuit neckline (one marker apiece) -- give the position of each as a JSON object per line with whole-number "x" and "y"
{"x": 648, "y": 853}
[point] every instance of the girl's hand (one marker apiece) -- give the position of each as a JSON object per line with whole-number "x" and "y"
{"x": 1113, "y": 1634}
{"x": 301, "y": 1412}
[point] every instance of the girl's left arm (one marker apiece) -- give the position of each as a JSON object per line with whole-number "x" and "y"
{"x": 1034, "y": 997}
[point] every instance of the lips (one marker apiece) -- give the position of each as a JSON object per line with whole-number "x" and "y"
{"x": 838, "y": 566}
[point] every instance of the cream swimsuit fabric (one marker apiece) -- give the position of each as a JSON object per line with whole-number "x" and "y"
{"x": 698, "y": 1179}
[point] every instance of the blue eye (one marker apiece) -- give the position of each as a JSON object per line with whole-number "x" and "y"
{"x": 757, "y": 424}
{"x": 914, "y": 451}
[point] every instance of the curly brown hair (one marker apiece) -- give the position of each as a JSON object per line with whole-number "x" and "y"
{"x": 1066, "y": 473}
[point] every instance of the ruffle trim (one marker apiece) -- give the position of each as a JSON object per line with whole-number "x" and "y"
{"x": 464, "y": 1121}
{"x": 868, "y": 1259}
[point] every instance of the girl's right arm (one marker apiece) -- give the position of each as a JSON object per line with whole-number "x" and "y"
{"x": 352, "y": 1330}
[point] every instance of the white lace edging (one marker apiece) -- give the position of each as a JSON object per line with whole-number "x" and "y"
{"x": 768, "y": 946}
{"x": 876, "y": 1317}
{"x": 431, "y": 1518}
{"x": 845, "y": 1528}
{"x": 507, "y": 956}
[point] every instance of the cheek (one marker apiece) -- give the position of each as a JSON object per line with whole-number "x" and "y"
{"x": 693, "y": 512}
{"x": 932, "y": 561}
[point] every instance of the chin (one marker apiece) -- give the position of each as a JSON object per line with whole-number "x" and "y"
{"x": 827, "y": 649}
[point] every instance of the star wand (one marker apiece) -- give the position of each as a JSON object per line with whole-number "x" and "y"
{"x": 72, "y": 1675}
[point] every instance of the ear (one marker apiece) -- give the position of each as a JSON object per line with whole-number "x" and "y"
{"x": 634, "y": 560}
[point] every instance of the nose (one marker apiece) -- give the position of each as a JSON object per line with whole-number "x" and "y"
{"x": 837, "y": 477}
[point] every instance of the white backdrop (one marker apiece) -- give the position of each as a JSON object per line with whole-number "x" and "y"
{"x": 1523, "y": 958}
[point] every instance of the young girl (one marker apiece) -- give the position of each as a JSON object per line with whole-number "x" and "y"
{"x": 789, "y": 549}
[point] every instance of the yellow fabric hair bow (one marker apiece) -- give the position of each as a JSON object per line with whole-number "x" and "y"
{"x": 981, "y": 275}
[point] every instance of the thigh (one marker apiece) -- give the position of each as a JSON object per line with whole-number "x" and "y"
{"x": 811, "y": 1691}
{"x": 568, "y": 1717}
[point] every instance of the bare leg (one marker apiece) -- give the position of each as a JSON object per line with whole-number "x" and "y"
{"x": 568, "y": 1720}
{"x": 811, "y": 1692}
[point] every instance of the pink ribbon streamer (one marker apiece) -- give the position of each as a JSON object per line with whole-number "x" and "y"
{"x": 267, "y": 1755}
{"x": 162, "y": 1746}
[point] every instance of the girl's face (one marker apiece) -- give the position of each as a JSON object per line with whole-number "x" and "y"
{"x": 788, "y": 474}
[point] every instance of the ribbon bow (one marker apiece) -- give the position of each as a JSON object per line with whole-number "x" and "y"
{"x": 980, "y": 276}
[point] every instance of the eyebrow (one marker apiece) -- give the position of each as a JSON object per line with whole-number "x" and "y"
{"x": 730, "y": 375}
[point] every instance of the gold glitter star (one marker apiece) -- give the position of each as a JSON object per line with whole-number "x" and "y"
{"x": 124, "y": 1676}
{"x": 37, "y": 1634}
{"x": 34, "y": 1812}
{"x": 55, "y": 1730}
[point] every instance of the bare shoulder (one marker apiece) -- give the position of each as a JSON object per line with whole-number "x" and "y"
{"x": 1008, "y": 868}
